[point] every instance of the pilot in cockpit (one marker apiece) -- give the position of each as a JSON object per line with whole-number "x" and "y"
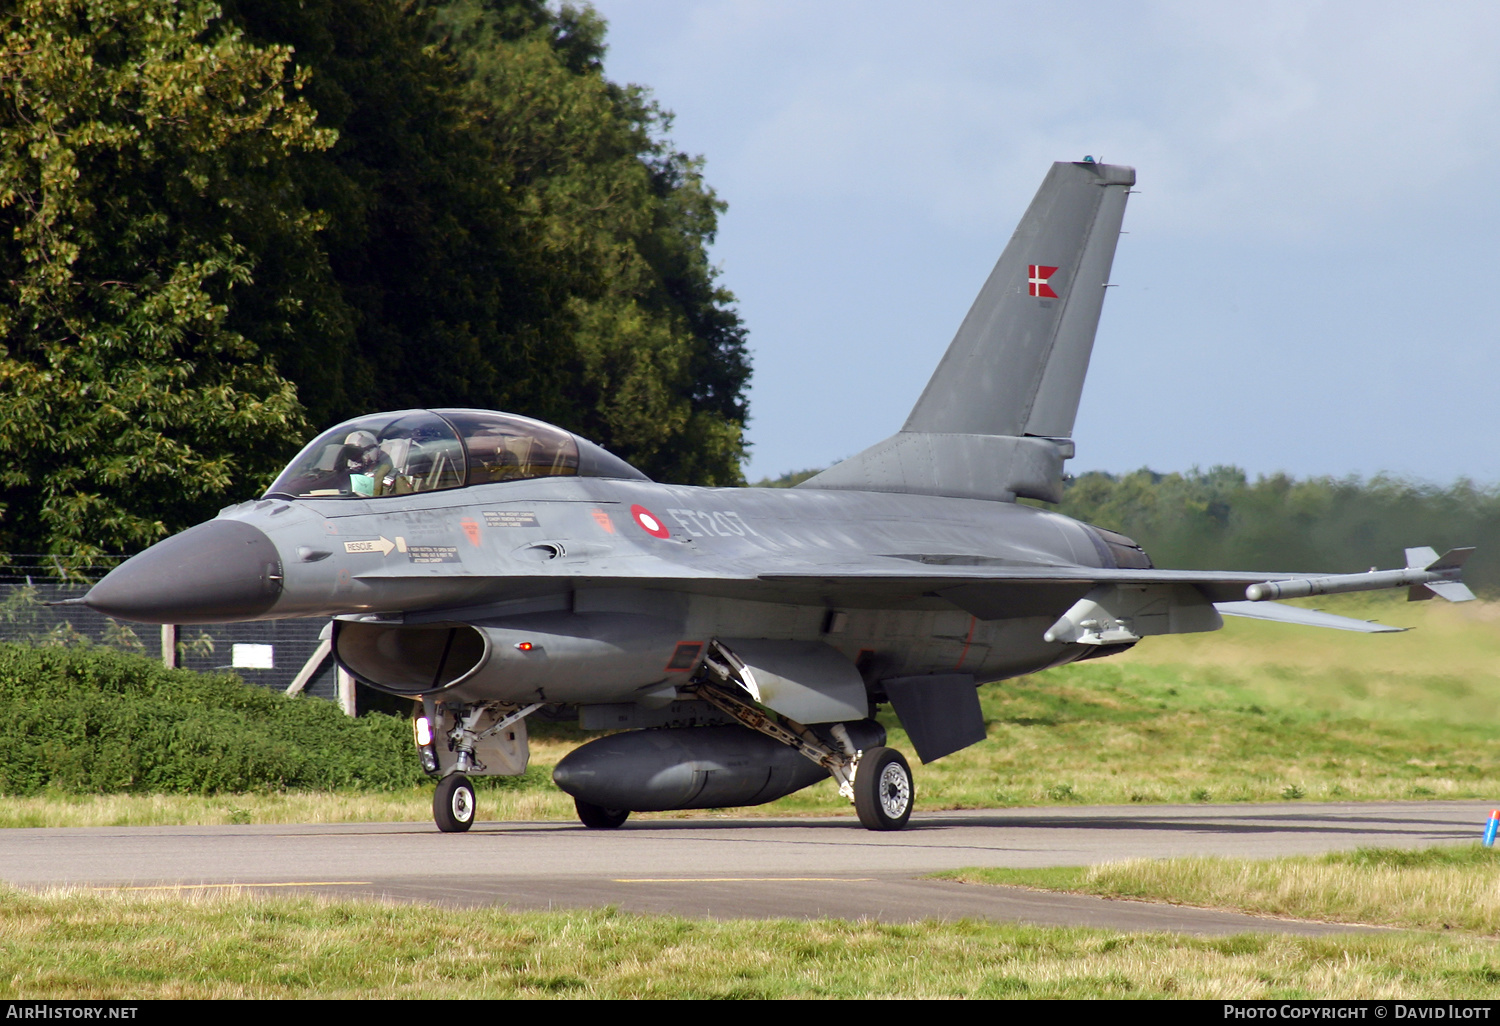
{"x": 371, "y": 471}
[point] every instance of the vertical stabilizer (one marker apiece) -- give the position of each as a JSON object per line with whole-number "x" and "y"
{"x": 996, "y": 419}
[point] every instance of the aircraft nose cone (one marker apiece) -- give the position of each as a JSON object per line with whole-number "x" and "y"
{"x": 217, "y": 572}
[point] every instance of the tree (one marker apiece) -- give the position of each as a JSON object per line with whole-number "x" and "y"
{"x": 659, "y": 355}
{"x": 1219, "y": 519}
{"x": 143, "y": 148}
{"x": 221, "y": 229}
{"x": 508, "y": 229}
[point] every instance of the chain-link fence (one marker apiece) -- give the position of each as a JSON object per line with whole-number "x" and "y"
{"x": 269, "y": 653}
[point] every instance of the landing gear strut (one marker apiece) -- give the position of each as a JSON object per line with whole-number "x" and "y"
{"x": 877, "y": 781}
{"x": 469, "y": 731}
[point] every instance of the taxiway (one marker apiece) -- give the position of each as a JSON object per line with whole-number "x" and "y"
{"x": 731, "y": 867}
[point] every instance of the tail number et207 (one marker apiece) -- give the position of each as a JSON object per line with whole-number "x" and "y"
{"x": 724, "y": 523}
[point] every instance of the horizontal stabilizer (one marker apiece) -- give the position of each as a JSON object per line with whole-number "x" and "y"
{"x": 1306, "y": 617}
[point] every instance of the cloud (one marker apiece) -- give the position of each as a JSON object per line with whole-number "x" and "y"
{"x": 1310, "y": 237}
{"x": 1285, "y": 119}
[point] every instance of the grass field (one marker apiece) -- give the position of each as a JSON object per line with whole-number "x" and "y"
{"x": 1446, "y": 888}
{"x": 83, "y": 945}
{"x": 1256, "y": 712}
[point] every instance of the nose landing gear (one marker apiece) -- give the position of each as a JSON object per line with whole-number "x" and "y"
{"x": 479, "y": 738}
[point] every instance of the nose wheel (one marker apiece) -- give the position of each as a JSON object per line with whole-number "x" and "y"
{"x": 453, "y": 804}
{"x": 883, "y": 791}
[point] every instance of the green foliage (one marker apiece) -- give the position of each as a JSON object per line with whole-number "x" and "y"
{"x": 122, "y": 636}
{"x": 655, "y": 357}
{"x": 93, "y": 720}
{"x": 221, "y": 228}
{"x": 21, "y": 604}
{"x": 508, "y": 229}
{"x": 141, "y": 144}
{"x": 1218, "y": 519}
{"x": 27, "y": 620}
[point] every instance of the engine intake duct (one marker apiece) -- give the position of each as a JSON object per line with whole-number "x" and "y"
{"x": 409, "y": 660}
{"x": 693, "y": 768}
{"x": 568, "y": 657}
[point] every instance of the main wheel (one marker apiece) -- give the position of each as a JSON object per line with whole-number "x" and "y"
{"x": 453, "y": 805}
{"x": 600, "y": 819}
{"x": 883, "y": 790}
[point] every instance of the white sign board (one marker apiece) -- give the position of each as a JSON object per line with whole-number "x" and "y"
{"x": 253, "y": 657}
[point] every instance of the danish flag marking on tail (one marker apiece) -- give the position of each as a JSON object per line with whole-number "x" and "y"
{"x": 1036, "y": 282}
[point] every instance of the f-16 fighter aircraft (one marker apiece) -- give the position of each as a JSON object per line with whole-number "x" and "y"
{"x": 734, "y": 641}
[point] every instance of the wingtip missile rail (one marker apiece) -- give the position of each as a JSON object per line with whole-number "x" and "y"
{"x": 1439, "y": 575}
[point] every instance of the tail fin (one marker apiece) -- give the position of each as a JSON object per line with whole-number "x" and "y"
{"x": 996, "y": 419}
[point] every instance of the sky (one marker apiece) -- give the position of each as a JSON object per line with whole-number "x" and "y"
{"x": 1309, "y": 283}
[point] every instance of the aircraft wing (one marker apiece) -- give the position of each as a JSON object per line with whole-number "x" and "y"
{"x": 1216, "y": 585}
{"x": 1426, "y": 575}
{"x": 994, "y": 593}
{"x": 989, "y": 592}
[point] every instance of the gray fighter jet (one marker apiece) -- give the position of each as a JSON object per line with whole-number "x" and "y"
{"x": 734, "y": 641}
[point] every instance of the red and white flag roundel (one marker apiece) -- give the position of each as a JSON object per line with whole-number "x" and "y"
{"x": 1037, "y": 277}
{"x": 649, "y": 523}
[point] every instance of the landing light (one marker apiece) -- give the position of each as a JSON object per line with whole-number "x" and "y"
{"x": 424, "y": 731}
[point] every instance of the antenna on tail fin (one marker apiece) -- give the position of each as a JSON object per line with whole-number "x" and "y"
{"x": 996, "y": 419}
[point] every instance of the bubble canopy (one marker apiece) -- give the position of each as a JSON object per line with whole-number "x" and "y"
{"x": 415, "y": 451}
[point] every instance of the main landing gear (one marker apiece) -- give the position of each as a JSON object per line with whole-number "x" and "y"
{"x": 878, "y": 781}
{"x": 882, "y": 789}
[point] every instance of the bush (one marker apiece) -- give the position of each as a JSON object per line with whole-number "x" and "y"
{"x": 93, "y": 720}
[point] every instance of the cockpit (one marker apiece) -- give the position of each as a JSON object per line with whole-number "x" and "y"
{"x": 431, "y": 450}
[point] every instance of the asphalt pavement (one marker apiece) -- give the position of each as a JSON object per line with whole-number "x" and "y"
{"x": 729, "y": 867}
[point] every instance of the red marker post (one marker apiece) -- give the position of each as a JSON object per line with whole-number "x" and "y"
{"x": 1491, "y": 828}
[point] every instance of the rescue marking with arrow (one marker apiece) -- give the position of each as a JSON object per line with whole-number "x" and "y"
{"x": 383, "y": 546}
